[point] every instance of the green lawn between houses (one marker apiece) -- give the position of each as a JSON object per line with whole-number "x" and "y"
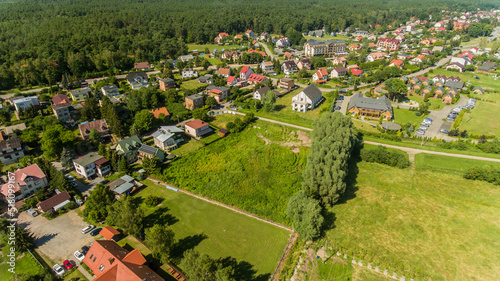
{"x": 191, "y": 84}
{"x": 215, "y": 230}
{"x": 211, "y": 47}
{"x": 482, "y": 119}
{"x": 487, "y": 82}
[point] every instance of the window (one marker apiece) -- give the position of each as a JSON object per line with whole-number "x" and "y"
{"x": 94, "y": 259}
{"x": 101, "y": 267}
{"x": 91, "y": 256}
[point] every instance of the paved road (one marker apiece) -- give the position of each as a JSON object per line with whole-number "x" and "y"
{"x": 437, "y": 117}
{"x": 268, "y": 52}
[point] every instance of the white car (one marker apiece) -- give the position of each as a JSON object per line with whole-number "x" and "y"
{"x": 79, "y": 256}
{"x": 87, "y": 229}
{"x": 58, "y": 270}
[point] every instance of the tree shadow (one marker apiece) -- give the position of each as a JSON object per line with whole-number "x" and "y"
{"x": 351, "y": 177}
{"x": 329, "y": 221}
{"x": 39, "y": 241}
{"x": 185, "y": 244}
{"x": 243, "y": 270}
{"x": 160, "y": 216}
{"x": 279, "y": 107}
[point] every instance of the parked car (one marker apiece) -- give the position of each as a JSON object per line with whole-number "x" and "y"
{"x": 450, "y": 118}
{"x": 444, "y": 131}
{"x": 58, "y": 270}
{"x": 32, "y": 212}
{"x": 87, "y": 229}
{"x": 79, "y": 256}
{"x": 67, "y": 264}
{"x": 423, "y": 128}
{"x": 95, "y": 231}
{"x": 337, "y": 108}
{"x": 104, "y": 182}
{"x": 84, "y": 250}
{"x": 420, "y": 132}
{"x": 476, "y": 77}
{"x": 428, "y": 119}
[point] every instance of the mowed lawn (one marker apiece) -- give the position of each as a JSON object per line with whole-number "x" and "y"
{"x": 25, "y": 266}
{"x": 403, "y": 116}
{"x": 487, "y": 82}
{"x": 449, "y": 164}
{"x": 191, "y": 84}
{"x": 436, "y": 224}
{"x": 482, "y": 119}
{"x": 211, "y": 47}
{"x": 215, "y": 230}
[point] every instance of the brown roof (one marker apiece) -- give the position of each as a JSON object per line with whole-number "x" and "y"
{"x": 100, "y": 125}
{"x": 58, "y": 99}
{"x": 101, "y": 161}
{"x": 10, "y": 142}
{"x": 118, "y": 263}
{"x": 159, "y": 111}
{"x": 196, "y": 124}
{"x": 53, "y": 201}
{"x": 109, "y": 232}
{"x": 223, "y": 71}
{"x": 141, "y": 65}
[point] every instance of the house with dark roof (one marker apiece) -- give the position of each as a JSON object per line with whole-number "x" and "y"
{"x": 304, "y": 63}
{"x": 110, "y": 262}
{"x": 63, "y": 111}
{"x": 478, "y": 90}
{"x": 370, "y": 108}
{"x": 447, "y": 98}
{"x": 80, "y": 95}
{"x": 100, "y": 125}
{"x": 439, "y": 92}
{"x": 167, "y": 83}
{"x": 307, "y": 99}
{"x": 289, "y": 67}
{"x": 456, "y": 66}
{"x": 137, "y": 80}
{"x": 487, "y": 67}
{"x": 24, "y": 182}
{"x": 123, "y": 185}
{"x": 194, "y": 101}
{"x": 129, "y": 148}
{"x": 338, "y": 72}
{"x": 55, "y": 202}
{"x": 11, "y": 148}
{"x": 110, "y": 90}
{"x": 454, "y": 84}
{"x": 150, "y": 152}
{"x": 197, "y": 129}
{"x": 261, "y": 93}
{"x": 167, "y": 138}
{"x": 92, "y": 165}
{"x": 219, "y": 93}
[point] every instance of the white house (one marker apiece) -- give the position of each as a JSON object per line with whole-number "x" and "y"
{"x": 245, "y": 73}
{"x": 289, "y": 67}
{"x": 463, "y": 61}
{"x": 25, "y": 102}
{"x": 307, "y": 99}
{"x": 110, "y": 90}
{"x": 320, "y": 76}
{"x": 267, "y": 66}
{"x": 283, "y": 42}
{"x": 167, "y": 137}
{"x": 188, "y": 73}
{"x": 92, "y": 165}
{"x": 260, "y": 93}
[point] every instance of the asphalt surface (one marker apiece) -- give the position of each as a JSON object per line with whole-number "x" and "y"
{"x": 437, "y": 117}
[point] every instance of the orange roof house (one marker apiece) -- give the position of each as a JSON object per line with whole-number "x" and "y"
{"x": 110, "y": 262}
{"x": 109, "y": 232}
{"x": 159, "y": 111}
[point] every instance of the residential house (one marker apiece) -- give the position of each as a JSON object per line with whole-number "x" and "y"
{"x": 304, "y": 63}
{"x": 453, "y": 91}
{"x": 307, "y": 99}
{"x": 388, "y": 43}
{"x": 24, "y": 182}
{"x": 487, "y": 67}
{"x": 320, "y": 76}
{"x": 231, "y": 81}
{"x": 137, "y": 80}
{"x": 414, "y": 80}
{"x": 62, "y": 111}
{"x": 160, "y": 113}
{"x": 447, "y": 98}
{"x": 250, "y": 34}
{"x": 464, "y": 61}
{"x": 256, "y": 79}
{"x": 426, "y": 81}
{"x": 11, "y": 148}
{"x": 417, "y": 60}
{"x": 110, "y": 262}
{"x": 380, "y": 89}
{"x": 110, "y": 90}
{"x": 267, "y": 66}
{"x": 230, "y": 55}
{"x": 261, "y": 93}
{"x": 59, "y": 99}
{"x": 186, "y": 58}
{"x": 357, "y": 72}
{"x": 417, "y": 86}
{"x": 478, "y": 90}
{"x": 143, "y": 66}
{"x": 288, "y": 56}
{"x": 167, "y": 138}
{"x": 109, "y": 233}
{"x": 124, "y": 185}
{"x": 224, "y": 72}
{"x": 264, "y": 36}
{"x": 80, "y": 95}
{"x": 25, "y": 102}
{"x": 286, "y": 84}
{"x": 221, "y": 37}
{"x": 439, "y": 92}
{"x": 205, "y": 79}
{"x": 197, "y": 129}
{"x": 100, "y": 125}
{"x": 245, "y": 72}
{"x": 454, "y": 84}
{"x": 370, "y": 108}
{"x": 437, "y": 49}
{"x": 355, "y": 47}
{"x": 456, "y": 66}
{"x": 339, "y": 61}
{"x": 219, "y": 93}
{"x": 375, "y": 56}
{"x": 129, "y": 148}
{"x": 166, "y": 83}
{"x": 427, "y": 90}
{"x": 55, "y": 202}
{"x": 338, "y": 72}
{"x": 188, "y": 73}
{"x": 289, "y": 67}
{"x": 397, "y": 63}
{"x": 324, "y": 48}
{"x": 194, "y": 101}
{"x": 283, "y": 42}
{"x": 150, "y": 152}
{"x": 92, "y": 165}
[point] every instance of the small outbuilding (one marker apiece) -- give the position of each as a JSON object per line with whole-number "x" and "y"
{"x": 222, "y": 132}
{"x": 109, "y": 233}
{"x": 391, "y": 126}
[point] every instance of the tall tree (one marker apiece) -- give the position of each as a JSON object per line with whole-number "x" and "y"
{"x": 144, "y": 121}
{"x": 96, "y": 205}
{"x": 306, "y": 215}
{"x": 160, "y": 240}
{"x": 91, "y": 110}
{"x": 125, "y": 214}
{"x": 333, "y": 140}
{"x": 66, "y": 158}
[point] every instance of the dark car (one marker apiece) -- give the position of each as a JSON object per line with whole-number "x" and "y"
{"x": 104, "y": 182}
{"x": 95, "y": 231}
{"x": 337, "y": 108}
{"x": 84, "y": 250}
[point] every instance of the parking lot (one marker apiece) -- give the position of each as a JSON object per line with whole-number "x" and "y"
{"x": 59, "y": 238}
{"x": 437, "y": 121}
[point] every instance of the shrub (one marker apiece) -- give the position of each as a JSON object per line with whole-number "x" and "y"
{"x": 487, "y": 174}
{"x": 153, "y": 200}
{"x": 384, "y": 156}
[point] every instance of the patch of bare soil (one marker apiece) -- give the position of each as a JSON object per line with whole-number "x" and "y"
{"x": 302, "y": 140}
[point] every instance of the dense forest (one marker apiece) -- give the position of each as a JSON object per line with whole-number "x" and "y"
{"x": 42, "y": 41}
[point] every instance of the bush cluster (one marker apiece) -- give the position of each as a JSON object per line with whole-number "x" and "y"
{"x": 486, "y": 173}
{"x": 382, "y": 155}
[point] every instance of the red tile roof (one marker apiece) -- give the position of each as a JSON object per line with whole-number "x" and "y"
{"x": 196, "y": 124}
{"x": 396, "y": 62}
{"x": 58, "y": 99}
{"x": 223, "y": 71}
{"x": 118, "y": 264}
{"x": 141, "y": 65}
{"x": 159, "y": 111}
{"x": 230, "y": 79}
{"x": 256, "y": 78}
{"x": 356, "y": 72}
{"x": 245, "y": 69}
{"x": 100, "y": 125}
{"x": 109, "y": 232}
{"x": 21, "y": 175}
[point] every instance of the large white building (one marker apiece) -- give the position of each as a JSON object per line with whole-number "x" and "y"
{"x": 25, "y": 102}
{"x": 324, "y": 48}
{"x": 92, "y": 165}
{"x": 307, "y": 99}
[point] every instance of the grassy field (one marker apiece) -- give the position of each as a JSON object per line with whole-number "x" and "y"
{"x": 487, "y": 82}
{"x": 242, "y": 171}
{"x": 403, "y": 116}
{"x": 26, "y": 265}
{"x": 436, "y": 224}
{"x": 191, "y": 84}
{"x": 449, "y": 164}
{"x": 435, "y": 104}
{"x": 328, "y": 37}
{"x": 216, "y": 231}
{"x": 211, "y": 47}
{"x": 478, "y": 120}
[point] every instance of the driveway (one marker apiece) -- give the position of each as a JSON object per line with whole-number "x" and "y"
{"x": 438, "y": 123}
{"x": 59, "y": 238}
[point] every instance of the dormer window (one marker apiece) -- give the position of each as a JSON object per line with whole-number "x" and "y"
{"x": 101, "y": 268}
